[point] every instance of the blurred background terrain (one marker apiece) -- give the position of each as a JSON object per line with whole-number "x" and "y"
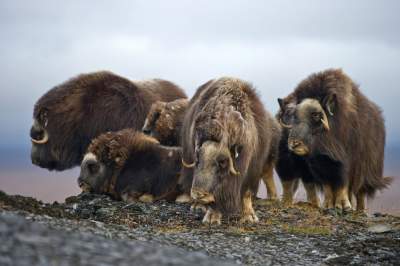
{"x": 273, "y": 44}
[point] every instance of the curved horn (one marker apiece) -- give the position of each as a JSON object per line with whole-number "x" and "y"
{"x": 329, "y": 110}
{"x": 44, "y": 140}
{"x": 324, "y": 121}
{"x": 283, "y": 124}
{"x": 186, "y": 165}
{"x": 232, "y": 169}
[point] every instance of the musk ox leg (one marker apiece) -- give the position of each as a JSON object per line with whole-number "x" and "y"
{"x": 268, "y": 178}
{"x": 248, "y": 213}
{"x": 342, "y": 199}
{"x": 360, "y": 197}
{"x": 130, "y": 196}
{"x": 212, "y": 217}
{"x": 312, "y": 196}
{"x": 184, "y": 198}
{"x": 328, "y": 197}
{"x": 147, "y": 198}
{"x": 289, "y": 189}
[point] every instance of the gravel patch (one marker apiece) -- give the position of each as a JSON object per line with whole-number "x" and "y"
{"x": 299, "y": 235}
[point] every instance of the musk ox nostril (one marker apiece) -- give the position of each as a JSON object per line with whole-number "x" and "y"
{"x": 202, "y": 196}
{"x": 39, "y": 136}
{"x": 295, "y": 144}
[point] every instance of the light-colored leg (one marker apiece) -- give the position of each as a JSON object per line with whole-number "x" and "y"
{"x": 352, "y": 199}
{"x": 129, "y": 196}
{"x": 268, "y": 178}
{"x": 312, "y": 196}
{"x": 328, "y": 197}
{"x": 342, "y": 199}
{"x": 212, "y": 217}
{"x": 361, "y": 201}
{"x": 147, "y": 198}
{"x": 288, "y": 189}
{"x": 184, "y": 198}
{"x": 248, "y": 213}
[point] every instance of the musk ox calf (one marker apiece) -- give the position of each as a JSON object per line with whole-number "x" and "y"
{"x": 164, "y": 121}
{"x": 334, "y": 136}
{"x": 229, "y": 143}
{"x": 131, "y": 166}
{"x": 71, "y": 114}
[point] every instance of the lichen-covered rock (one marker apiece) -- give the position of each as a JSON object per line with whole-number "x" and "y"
{"x": 300, "y": 235}
{"x": 29, "y": 243}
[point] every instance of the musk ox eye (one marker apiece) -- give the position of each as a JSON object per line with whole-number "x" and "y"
{"x": 236, "y": 150}
{"x": 93, "y": 167}
{"x": 222, "y": 162}
{"x": 316, "y": 116}
{"x": 156, "y": 116}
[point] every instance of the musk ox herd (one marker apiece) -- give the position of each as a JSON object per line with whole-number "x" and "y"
{"x": 146, "y": 141}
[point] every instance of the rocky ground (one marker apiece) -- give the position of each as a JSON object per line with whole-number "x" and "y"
{"x": 95, "y": 230}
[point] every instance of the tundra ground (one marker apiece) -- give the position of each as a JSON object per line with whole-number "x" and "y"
{"x": 299, "y": 235}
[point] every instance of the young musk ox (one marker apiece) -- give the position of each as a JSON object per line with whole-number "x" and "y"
{"x": 334, "y": 136}
{"x": 164, "y": 121}
{"x": 69, "y": 115}
{"x": 131, "y": 166}
{"x": 229, "y": 143}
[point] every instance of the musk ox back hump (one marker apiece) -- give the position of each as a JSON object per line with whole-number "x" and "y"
{"x": 73, "y": 113}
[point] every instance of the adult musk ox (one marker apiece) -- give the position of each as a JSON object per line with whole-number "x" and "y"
{"x": 69, "y": 115}
{"x": 131, "y": 166}
{"x": 335, "y": 136}
{"x": 229, "y": 143}
{"x": 164, "y": 121}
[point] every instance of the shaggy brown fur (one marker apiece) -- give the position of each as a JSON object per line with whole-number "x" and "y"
{"x": 78, "y": 110}
{"x": 164, "y": 121}
{"x": 230, "y": 138}
{"x": 347, "y": 153}
{"x": 128, "y": 164}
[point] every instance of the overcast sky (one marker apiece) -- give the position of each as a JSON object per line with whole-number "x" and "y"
{"x": 273, "y": 44}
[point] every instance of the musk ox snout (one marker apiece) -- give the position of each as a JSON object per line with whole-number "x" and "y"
{"x": 298, "y": 147}
{"x": 38, "y": 134}
{"x": 202, "y": 196}
{"x": 91, "y": 173}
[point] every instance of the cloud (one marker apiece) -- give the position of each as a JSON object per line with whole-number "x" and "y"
{"x": 273, "y": 44}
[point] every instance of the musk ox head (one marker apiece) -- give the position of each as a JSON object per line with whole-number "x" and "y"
{"x": 106, "y": 157}
{"x": 224, "y": 140}
{"x": 52, "y": 143}
{"x": 306, "y": 122}
{"x": 164, "y": 121}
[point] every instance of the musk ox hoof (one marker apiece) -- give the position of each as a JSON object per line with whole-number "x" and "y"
{"x": 287, "y": 203}
{"x": 328, "y": 204}
{"x": 249, "y": 218}
{"x": 146, "y": 198}
{"x": 343, "y": 205}
{"x": 314, "y": 204}
{"x": 272, "y": 197}
{"x": 184, "y": 198}
{"x": 198, "y": 207}
{"x": 212, "y": 217}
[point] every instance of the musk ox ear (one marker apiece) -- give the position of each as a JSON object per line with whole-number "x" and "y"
{"x": 280, "y": 102}
{"x": 331, "y": 104}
